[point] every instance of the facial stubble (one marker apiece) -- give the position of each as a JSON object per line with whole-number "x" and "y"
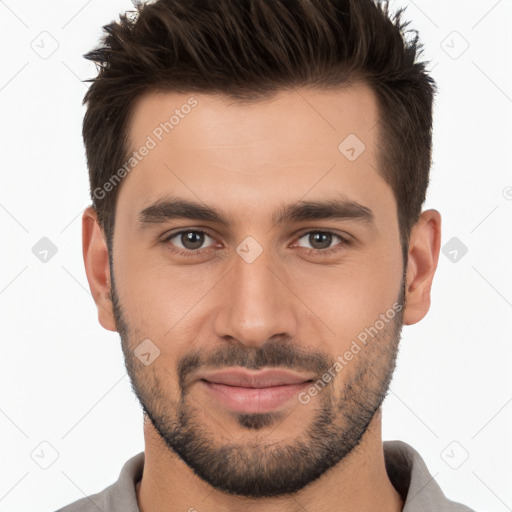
{"x": 254, "y": 468}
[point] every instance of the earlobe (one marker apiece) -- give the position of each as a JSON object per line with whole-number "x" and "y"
{"x": 95, "y": 253}
{"x": 424, "y": 247}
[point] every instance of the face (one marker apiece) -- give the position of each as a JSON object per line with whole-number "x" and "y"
{"x": 247, "y": 241}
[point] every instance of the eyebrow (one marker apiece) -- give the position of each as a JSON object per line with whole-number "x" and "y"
{"x": 335, "y": 209}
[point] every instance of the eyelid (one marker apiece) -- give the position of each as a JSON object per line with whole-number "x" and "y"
{"x": 179, "y": 231}
{"x": 308, "y": 233}
{"x": 345, "y": 241}
{"x": 345, "y": 238}
{"x": 191, "y": 254}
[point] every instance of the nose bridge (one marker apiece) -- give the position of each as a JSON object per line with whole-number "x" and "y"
{"x": 255, "y": 303}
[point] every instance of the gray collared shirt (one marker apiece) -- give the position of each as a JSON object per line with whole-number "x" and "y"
{"x": 406, "y": 469}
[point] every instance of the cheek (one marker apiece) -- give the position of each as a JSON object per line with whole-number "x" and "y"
{"x": 351, "y": 296}
{"x": 173, "y": 305}
{"x": 160, "y": 300}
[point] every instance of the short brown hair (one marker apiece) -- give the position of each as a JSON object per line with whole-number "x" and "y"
{"x": 251, "y": 49}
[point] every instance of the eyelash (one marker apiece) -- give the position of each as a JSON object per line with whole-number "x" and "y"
{"x": 199, "y": 252}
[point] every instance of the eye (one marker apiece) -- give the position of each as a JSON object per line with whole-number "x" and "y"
{"x": 321, "y": 241}
{"x": 190, "y": 240}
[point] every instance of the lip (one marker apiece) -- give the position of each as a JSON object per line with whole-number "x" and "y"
{"x": 255, "y": 379}
{"x": 253, "y": 392}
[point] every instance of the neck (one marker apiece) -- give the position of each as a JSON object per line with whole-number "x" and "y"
{"x": 357, "y": 483}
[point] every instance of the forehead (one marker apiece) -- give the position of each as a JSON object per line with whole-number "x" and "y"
{"x": 301, "y": 143}
{"x": 287, "y": 119}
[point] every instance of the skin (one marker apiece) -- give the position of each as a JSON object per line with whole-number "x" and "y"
{"x": 248, "y": 160}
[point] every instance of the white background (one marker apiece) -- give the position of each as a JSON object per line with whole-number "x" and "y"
{"x": 63, "y": 380}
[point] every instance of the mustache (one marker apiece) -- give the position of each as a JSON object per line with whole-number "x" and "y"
{"x": 272, "y": 354}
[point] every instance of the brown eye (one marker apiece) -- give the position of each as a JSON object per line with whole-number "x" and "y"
{"x": 189, "y": 240}
{"x": 319, "y": 240}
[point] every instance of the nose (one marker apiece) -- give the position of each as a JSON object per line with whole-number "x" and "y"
{"x": 255, "y": 303}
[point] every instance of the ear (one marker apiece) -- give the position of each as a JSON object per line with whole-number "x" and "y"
{"x": 95, "y": 254}
{"x": 424, "y": 246}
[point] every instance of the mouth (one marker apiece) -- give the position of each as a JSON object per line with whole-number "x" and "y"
{"x": 254, "y": 392}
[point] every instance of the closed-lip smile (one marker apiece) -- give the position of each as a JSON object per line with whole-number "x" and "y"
{"x": 251, "y": 392}
{"x": 254, "y": 379}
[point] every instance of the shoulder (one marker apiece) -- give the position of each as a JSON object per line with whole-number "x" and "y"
{"x": 410, "y": 476}
{"x": 90, "y": 503}
{"x": 118, "y": 497}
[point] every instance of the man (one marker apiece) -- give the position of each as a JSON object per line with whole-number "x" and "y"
{"x": 257, "y": 172}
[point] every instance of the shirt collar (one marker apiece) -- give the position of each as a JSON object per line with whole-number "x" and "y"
{"x": 406, "y": 470}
